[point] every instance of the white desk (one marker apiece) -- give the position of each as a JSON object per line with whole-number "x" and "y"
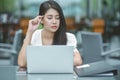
{"x": 59, "y": 77}
{"x": 9, "y": 73}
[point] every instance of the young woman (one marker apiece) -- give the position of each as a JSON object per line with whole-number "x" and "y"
{"x": 53, "y": 32}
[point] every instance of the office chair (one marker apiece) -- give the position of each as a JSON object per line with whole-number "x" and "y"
{"x": 12, "y": 49}
{"x": 93, "y": 53}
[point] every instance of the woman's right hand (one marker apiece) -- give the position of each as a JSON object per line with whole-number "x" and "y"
{"x": 34, "y": 24}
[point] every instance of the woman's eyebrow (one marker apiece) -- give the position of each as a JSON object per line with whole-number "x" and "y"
{"x": 52, "y": 15}
{"x": 57, "y": 16}
{"x": 49, "y": 15}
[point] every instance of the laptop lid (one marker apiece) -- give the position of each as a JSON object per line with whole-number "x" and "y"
{"x": 8, "y": 73}
{"x": 50, "y": 59}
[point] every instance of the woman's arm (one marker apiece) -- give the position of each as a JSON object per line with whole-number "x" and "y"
{"x": 33, "y": 25}
{"x": 77, "y": 58}
{"x": 72, "y": 41}
{"x": 22, "y": 53}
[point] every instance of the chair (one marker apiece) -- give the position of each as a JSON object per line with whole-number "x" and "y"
{"x": 92, "y": 47}
{"x": 12, "y": 49}
{"x": 93, "y": 53}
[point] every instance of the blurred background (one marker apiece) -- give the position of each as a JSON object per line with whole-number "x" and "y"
{"x": 101, "y": 16}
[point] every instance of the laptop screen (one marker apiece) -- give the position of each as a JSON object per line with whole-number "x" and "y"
{"x": 50, "y": 59}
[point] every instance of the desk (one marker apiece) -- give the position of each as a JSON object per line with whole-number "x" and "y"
{"x": 46, "y": 77}
{"x": 59, "y": 77}
{"x": 10, "y": 72}
{"x": 24, "y": 76}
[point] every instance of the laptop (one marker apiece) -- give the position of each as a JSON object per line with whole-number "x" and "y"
{"x": 93, "y": 61}
{"x": 50, "y": 76}
{"x": 50, "y": 59}
{"x": 8, "y": 73}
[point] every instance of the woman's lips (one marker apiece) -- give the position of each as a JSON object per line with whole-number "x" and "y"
{"x": 54, "y": 27}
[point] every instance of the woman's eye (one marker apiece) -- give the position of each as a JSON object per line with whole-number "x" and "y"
{"x": 58, "y": 18}
{"x": 49, "y": 18}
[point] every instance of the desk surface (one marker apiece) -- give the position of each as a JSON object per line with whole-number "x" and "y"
{"x": 21, "y": 75}
{"x": 59, "y": 77}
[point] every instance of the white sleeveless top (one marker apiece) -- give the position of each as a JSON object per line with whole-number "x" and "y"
{"x": 37, "y": 39}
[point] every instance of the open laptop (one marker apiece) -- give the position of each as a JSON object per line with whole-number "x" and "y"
{"x": 50, "y": 77}
{"x": 50, "y": 59}
{"x": 8, "y": 73}
{"x": 93, "y": 61}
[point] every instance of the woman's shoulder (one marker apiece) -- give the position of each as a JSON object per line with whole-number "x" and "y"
{"x": 70, "y": 34}
{"x": 71, "y": 39}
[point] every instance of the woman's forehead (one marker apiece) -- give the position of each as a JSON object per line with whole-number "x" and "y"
{"x": 52, "y": 11}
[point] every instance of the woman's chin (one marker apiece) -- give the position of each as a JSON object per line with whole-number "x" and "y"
{"x": 54, "y": 30}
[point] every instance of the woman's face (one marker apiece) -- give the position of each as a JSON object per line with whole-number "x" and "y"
{"x": 51, "y": 20}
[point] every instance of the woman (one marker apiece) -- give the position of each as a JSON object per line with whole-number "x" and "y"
{"x": 53, "y": 32}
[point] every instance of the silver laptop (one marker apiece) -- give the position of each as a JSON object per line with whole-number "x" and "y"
{"x": 50, "y": 59}
{"x": 50, "y": 76}
{"x": 8, "y": 73}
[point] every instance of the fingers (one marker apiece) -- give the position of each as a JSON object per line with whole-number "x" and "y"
{"x": 37, "y": 20}
{"x": 40, "y": 17}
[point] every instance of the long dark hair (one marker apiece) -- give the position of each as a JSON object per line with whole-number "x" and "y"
{"x": 60, "y": 34}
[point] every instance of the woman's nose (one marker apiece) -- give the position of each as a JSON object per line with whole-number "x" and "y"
{"x": 54, "y": 21}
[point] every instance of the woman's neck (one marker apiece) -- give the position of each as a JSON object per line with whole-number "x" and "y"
{"x": 47, "y": 37}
